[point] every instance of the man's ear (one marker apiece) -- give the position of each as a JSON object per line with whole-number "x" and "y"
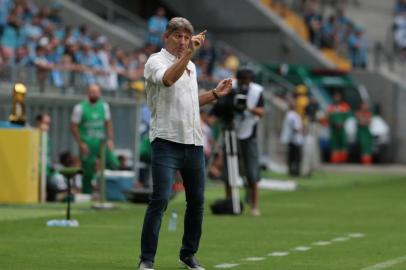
{"x": 165, "y": 36}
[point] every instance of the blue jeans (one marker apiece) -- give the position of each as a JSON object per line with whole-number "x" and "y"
{"x": 168, "y": 157}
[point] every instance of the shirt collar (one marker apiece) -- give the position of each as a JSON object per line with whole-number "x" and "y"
{"x": 172, "y": 58}
{"x": 168, "y": 55}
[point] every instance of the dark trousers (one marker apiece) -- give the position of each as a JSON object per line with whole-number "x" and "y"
{"x": 294, "y": 158}
{"x": 167, "y": 158}
{"x": 249, "y": 159}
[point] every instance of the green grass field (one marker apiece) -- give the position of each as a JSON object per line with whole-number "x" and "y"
{"x": 327, "y": 208}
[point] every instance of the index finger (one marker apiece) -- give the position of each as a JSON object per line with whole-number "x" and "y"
{"x": 202, "y": 33}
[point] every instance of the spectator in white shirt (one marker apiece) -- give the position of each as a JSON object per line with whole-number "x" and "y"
{"x": 292, "y": 136}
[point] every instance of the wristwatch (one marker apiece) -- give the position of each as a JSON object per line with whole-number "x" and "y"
{"x": 213, "y": 91}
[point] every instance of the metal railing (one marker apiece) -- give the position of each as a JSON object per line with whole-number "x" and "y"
{"x": 59, "y": 102}
{"x": 73, "y": 83}
{"x": 115, "y": 14}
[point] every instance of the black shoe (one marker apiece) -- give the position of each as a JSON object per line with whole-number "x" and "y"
{"x": 145, "y": 265}
{"x": 190, "y": 263}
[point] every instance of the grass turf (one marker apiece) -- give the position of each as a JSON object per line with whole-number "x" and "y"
{"x": 323, "y": 208}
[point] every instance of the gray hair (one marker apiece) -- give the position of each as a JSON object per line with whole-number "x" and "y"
{"x": 177, "y": 23}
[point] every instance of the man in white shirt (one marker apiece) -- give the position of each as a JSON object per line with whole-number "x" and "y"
{"x": 176, "y": 137}
{"x": 292, "y": 135}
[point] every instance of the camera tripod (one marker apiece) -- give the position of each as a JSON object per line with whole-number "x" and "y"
{"x": 234, "y": 181}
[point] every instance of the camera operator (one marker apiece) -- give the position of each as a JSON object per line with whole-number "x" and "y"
{"x": 240, "y": 111}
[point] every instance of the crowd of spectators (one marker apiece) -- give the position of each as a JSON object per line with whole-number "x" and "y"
{"x": 333, "y": 29}
{"x": 62, "y": 55}
{"x": 33, "y": 36}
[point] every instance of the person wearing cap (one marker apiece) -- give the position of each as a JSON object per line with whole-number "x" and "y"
{"x": 176, "y": 138}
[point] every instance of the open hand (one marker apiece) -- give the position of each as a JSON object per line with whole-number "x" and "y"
{"x": 84, "y": 150}
{"x": 224, "y": 87}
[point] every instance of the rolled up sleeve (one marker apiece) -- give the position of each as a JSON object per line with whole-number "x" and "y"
{"x": 154, "y": 71}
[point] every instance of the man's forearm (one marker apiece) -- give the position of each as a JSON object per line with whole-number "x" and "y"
{"x": 109, "y": 129}
{"x": 206, "y": 97}
{"x": 258, "y": 111}
{"x": 174, "y": 72}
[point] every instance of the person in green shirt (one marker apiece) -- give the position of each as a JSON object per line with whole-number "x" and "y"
{"x": 90, "y": 124}
{"x": 338, "y": 112}
{"x": 364, "y": 137}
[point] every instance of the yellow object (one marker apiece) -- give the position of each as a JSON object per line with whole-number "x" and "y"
{"x": 297, "y": 23}
{"x": 301, "y": 89}
{"x": 18, "y": 115}
{"x": 292, "y": 19}
{"x": 301, "y": 102}
{"x": 341, "y": 63}
{"x": 232, "y": 63}
{"x": 20, "y": 88}
{"x": 138, "y": 86}
{"x": 19, "y": 156}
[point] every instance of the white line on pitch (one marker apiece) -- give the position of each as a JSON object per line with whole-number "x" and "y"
{"x": 226, "y": 265}
{"x": 254, "y": 259}
{"x": 387, "y": 264}
{"x": 278, "y": 254}
{"x": 356, "y": 235}
{"x": 319, "y": 243}
{"x": 303, "y": 248}
{"x": 340, "y": 239}
{"x": 322, "y": 243}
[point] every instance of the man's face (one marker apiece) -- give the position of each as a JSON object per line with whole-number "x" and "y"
{"x": 160, "y": 12}
{"x": 177, "y": 42}
{"x": 45, "y": 123}
{"x": 244, "y": 81}
{"x": 93, "y": 93}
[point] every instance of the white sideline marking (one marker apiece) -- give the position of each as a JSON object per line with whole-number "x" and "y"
{"x": 281, "y": 185}
{"x": 340, "y": 239}
{"x": 304, "y": 248}
{"x": 387, "y": 264}
{"x": 226, "y": 265}
{"x": 379, "y": 266}
{"x": 278, "y": 254}
{"x": 356, "y": 235}
{"x": 254, "y": 259}
{"x": 322, "y": 243}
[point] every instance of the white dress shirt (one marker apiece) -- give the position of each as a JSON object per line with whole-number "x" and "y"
{"x": 175, "y": 109}
{"x": 291, "y": 129}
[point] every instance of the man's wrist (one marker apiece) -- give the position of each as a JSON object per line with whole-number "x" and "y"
{"x": 190, "y": 52}
{"x": 214, "y": 92}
